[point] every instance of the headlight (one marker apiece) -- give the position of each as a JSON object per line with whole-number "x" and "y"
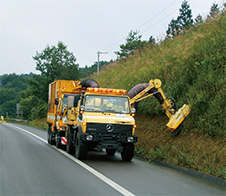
{"x": 89, "y": 137}
{"x": 130, "y": 139}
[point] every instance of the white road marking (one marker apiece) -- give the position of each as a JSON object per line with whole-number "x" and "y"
{"x": 28, "y": 133}
{"x": 105, "y": 179}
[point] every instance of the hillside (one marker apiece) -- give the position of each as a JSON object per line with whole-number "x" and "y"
{"x": 192, "y": 70}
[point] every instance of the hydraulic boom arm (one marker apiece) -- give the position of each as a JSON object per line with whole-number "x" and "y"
{"x": 153, "y": 88}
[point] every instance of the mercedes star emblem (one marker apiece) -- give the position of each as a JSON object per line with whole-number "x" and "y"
{"x": 109, "y": 127}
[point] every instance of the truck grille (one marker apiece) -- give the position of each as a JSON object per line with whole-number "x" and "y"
{"x": 109, "y": 128}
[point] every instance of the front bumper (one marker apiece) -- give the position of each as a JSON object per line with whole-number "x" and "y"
{"x": 111, "y": 138}
{"x": 108, "y": 141}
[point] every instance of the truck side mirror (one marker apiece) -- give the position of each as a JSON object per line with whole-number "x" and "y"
{"x": 56, "y": 101}
{"x": 82, "y": 109}
{"x": 133, "y": 110}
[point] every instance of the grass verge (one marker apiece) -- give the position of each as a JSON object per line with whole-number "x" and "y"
{"x": 191, "y": 150}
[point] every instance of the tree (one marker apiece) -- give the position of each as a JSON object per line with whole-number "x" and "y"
{"x": 185, "y": 18}
{"x": 151, "y": 40}
{"x": 39, "y": 87}
{"x": 133, "y": 42}
{"x": 173, "y": 28}
{"x": 28, "y": 105}
{"x": 183, "y": 21}
{"x": 12, "y": 89}
{"x": 8, "y": 107}
{"x": 54, "y": 62}
{"x": 214, "y": 10}
{"x": 198, "y": 20}
{"x": 33, "y": 107}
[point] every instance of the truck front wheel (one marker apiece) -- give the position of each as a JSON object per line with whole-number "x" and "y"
{"x": 81, "y": 148}
{"x": 128, "y": 152}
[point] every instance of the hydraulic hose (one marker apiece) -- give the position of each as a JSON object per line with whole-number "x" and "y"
{"x": 140, "y": 87}
{"x": 89, "y": 83}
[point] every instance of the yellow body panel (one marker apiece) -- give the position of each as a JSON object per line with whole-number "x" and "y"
{"x": 113, "y": 118}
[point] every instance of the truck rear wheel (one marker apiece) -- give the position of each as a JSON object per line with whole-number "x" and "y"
{"x": 57, "y": 139}
{"x": 50, "y": 135}
{"x": 128, "y": 152}
{"x": 81, "y": 148}
{"x": 69, "y": 147}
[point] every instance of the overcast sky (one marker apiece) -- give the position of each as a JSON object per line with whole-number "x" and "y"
{"x": 85, "y": 26}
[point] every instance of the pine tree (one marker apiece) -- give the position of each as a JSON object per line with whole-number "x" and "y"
{"x": 198, "y": 20}
{"x": 214, "y": 10}
{"x": 185, "y": 18}
{"x": 133, "y": 42}
{"x": 173, "y": 28}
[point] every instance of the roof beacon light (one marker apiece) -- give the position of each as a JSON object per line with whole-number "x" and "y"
{"x": 107, "y": 90}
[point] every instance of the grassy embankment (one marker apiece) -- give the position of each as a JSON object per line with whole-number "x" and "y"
{"x": 192, "y": 70}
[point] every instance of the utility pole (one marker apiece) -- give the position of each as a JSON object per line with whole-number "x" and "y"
{"x": 98, "y": 61}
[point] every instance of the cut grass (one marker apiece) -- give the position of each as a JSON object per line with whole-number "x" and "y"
{"x": 191, "y": 150}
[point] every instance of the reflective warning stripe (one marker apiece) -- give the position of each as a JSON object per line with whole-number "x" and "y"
{"x": 63, "y": 141}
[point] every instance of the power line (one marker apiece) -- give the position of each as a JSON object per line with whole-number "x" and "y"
{"x": 112, "y": 45}
{"x": 159, "y": 21}
{"x": 158, "y": 14}
{"x": 108, "y": 48}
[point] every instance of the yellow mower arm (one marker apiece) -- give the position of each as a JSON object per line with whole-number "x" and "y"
{"x": 176, "y": 117}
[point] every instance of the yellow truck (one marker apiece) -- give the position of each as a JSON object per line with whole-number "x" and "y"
{"x": 82, "y": 116}
{"x": 59, "y": 90}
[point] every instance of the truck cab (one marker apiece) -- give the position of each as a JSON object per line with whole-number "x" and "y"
{"x": 104, "y": 120}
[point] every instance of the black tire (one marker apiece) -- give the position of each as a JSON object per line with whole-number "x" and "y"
{"x": 57, "y": 139}
{"x": 70, "y": 148}
{"x": 110, "y": 152}
{"x": 81, "y": 148}
{"x": 128, "y": 152}
{"x": 50, "y": 136}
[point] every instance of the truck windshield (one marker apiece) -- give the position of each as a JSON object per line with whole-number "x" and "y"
{"x": 65, "y": 101}
{"x": 101, "y": 103}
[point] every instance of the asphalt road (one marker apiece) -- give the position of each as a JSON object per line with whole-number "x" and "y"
{"x": 30, "y": 166}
